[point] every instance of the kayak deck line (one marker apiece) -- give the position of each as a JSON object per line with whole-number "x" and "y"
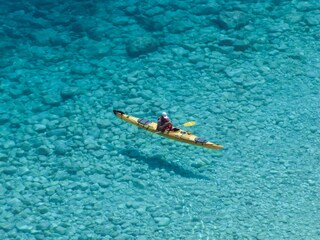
{"x": 175, "y": 134}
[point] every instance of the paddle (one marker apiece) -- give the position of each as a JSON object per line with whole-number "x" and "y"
{"x": 187, "y": 124}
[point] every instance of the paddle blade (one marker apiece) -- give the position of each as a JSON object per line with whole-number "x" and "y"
{"x": 189, "y": 124}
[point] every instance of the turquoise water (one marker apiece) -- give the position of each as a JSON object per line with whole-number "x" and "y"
{"x": 246, "y": 71}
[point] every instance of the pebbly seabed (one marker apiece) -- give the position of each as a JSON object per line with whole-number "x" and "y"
{"x": 248, "y": 72}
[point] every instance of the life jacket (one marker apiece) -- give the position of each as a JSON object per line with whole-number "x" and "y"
{"x": 162, "y": 120}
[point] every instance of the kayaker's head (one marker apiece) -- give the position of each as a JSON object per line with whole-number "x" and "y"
{"x": 164, "y": 115}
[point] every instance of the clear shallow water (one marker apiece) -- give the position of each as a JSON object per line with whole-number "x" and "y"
{"x": 71, "y": 170}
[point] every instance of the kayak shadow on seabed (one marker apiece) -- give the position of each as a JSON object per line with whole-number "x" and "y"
{"x": 157, "y": 161}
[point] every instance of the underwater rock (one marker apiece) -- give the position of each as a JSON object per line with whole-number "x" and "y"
{"x": 15, "y": 93}
{"x": 23, "y": 227}
{"x": 312, "y": 18}
{"x": 82, "y": 68}
{"x": 120, "y": 20}
{"x": 162, "y": 221}
{"x": 40, "y": 128}
{"x": 131, "y": 10}
{"x": 241, "y": 45}
{"x": 26, "y": 20}
{"x": 10, "y": 170}
{"x": 12, "y": 32}
{"x": 95, "y": 131}
{"x": 99, "y": 154}
{"x": 60, "y": 147}
{"x": 141, "y": 45}
{"x": 180, "y": 51}
{"x": 69, "y": 92}
{"x": 43, "y": 37}
{"x": 180, "y": 26}
{"x": 60, "y": 230}
{"x": 3, "y": 157}
{"x": 100, "y": 180}
{"x": 43, "y": 150}
{"x": 206, "y": 9}
{"x": 59, "y": 132}
{"x": 4, "y": 118}
{"x": 306, "y": 6}
{"x": 98, "y": 33}
{"x": 6, "y": 226}
{"x": 15, "y": 205}
{"x": 226, "y": 42}
{"x": 60, "y": 39}
{"x": 232, "y": 20}
{"x": 156, "y": 23}
{"x": 233, "y": 72}
{"x": 103, "y": 123}
{"x": 153, "y": 11}
{"x": 38, "y": 107}
{"x": 91, "y": 143}
{"x": 198, "y": 163}
{"x": 5, "y": 63}
{"x": 9, "y": 144}
{"x": 95, "y": 49}
{"x": 137, "y": 101}
{"x": 52, "y": 98}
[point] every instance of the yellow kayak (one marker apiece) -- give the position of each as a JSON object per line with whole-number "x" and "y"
{"x": 176, "y": 134}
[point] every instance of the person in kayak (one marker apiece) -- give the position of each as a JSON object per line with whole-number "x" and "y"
{"x": 164, "y": 123}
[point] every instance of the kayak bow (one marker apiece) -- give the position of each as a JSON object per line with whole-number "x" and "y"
{"x": 177, "y": 134}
